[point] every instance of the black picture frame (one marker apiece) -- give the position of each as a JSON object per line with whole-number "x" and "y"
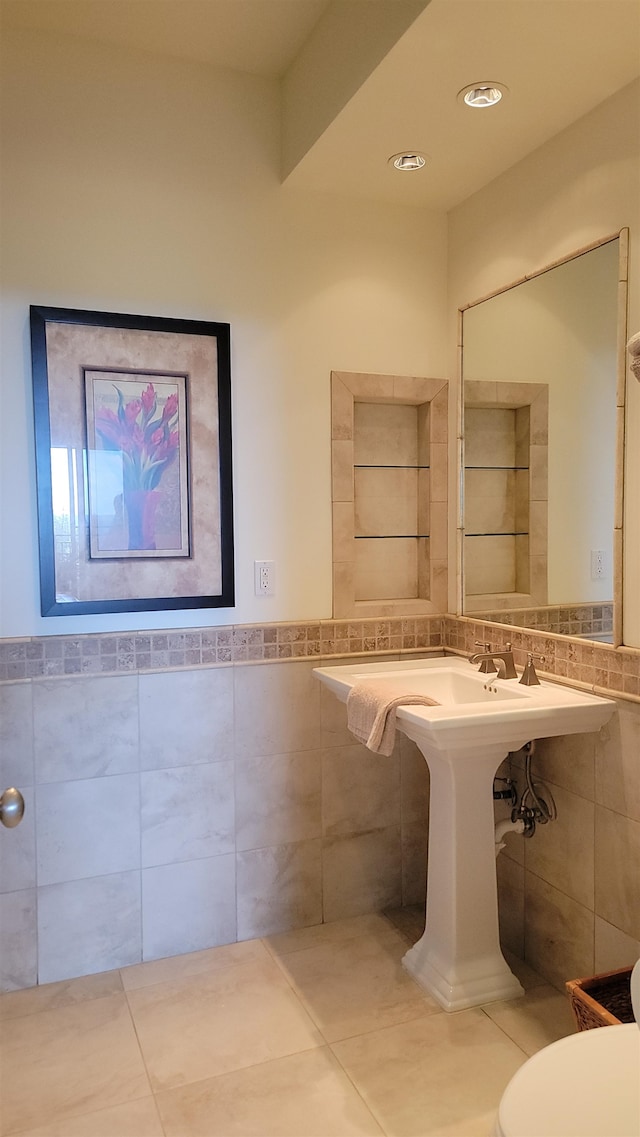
{"x": 162, "y": 427}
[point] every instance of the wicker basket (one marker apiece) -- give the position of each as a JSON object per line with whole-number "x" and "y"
{"x": 602, "y": 1000}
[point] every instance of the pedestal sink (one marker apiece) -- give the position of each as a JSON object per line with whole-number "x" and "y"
{"x": 479, "y": 720}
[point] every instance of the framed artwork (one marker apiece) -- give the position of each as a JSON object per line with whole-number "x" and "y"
{"x": 133, "y": 461}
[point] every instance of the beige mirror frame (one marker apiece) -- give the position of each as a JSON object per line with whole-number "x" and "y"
{"x": 621, "y": 380}
{"x": 389, "y": 439}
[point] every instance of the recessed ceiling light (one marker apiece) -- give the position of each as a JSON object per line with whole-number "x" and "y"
{"x": 482, "y": 94}
{"x": 409, "y": 160}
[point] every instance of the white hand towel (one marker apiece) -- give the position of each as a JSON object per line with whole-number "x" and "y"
{"x": 371, "y": 713}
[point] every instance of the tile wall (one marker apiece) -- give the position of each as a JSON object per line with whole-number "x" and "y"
{"x": 176, "y": 809}
{"x": 570, "y": 896}
{"x": 189, "y": 789}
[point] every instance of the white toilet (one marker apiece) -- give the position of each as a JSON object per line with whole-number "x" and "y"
{"x": 587, "y": 1085}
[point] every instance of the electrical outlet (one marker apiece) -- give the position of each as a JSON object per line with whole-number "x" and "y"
{"x": 264, "y": 578}
{"x": 598, "y": 569}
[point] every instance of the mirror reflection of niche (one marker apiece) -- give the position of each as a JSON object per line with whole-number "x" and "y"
{"x": 559, "y": 329}
{"x": 505, "y": 493}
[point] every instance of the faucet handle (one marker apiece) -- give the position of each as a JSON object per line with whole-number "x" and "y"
{"x": 529, "y": 677}
{"x": 480, "y": 643}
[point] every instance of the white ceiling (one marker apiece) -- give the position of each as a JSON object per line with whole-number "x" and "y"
{"x": 559, "y": 59}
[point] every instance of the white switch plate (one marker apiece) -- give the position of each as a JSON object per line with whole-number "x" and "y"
{"x": 264, "y": 578}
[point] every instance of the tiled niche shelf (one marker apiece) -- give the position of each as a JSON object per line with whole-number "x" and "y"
{"x": 389, "y": 494}
{"x": 505, "y": 494}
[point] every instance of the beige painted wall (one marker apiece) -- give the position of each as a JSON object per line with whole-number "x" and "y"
{"x": 133, "y": 183}
{"x": 579, "y": 187}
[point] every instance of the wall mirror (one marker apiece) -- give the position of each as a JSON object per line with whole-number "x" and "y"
{"x": 542, "y": 409}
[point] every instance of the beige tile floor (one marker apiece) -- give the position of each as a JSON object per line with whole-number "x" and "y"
{"x": 315, "y": 1033}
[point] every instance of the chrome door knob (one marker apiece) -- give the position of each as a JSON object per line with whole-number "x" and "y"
{"x": 11, "y": 808}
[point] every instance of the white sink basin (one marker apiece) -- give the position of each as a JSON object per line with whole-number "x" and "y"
{"x": 464, "y": 740}
{"x": 503, "y": 710}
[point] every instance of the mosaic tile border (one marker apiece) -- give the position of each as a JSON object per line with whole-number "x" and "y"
{"x": 573, "y": 620}
{"x": 115, "y": 653}
{"x": 599, "y": 666}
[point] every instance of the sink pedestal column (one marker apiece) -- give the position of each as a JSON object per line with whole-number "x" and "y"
{"x": 458, "y": 959}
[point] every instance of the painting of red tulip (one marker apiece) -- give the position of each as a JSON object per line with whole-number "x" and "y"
{"x": 132, "y": 418}
{"x": 137, "y": 464}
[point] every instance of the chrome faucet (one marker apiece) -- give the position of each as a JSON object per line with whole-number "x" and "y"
{"x": 502, "y": 660}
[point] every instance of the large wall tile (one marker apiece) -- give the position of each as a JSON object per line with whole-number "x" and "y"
{"x": 18, "y": 849}
{"x": 362, "y": 873}
{"x": 186, "y": 717}
{"x": 333, "y": 719}
{"x": 489, "y": 565}
{"x": 514, "y": 848}
{"x": 386, "y": 500}
{"x": 386, "y": 570}
{"x": 18, "y": 940}
{"x": 188, "y": 906}
{"x": 360, "y": 791}
{"x": 510, "y": 877}
{"x": 84, "y": 728}
{"x": 333, "y": 712}
{"x": 278, "y": 799}
{"x": 415, "y": 839}
{"x": 490, "y": 436}
{"x": 86, "y": 926}
{"x": 617, "y": 764}
{"x": 614, "y": 949}
{"x": 562, "y": 852}
{"x": 618, "y": 871}
{"x": 87, "y": 828}
{"x": 558, "y": 933}
{"x": 568, "y": 761}
{"x": 187, "y": 813}
{"x": 385, "y": 433}
{"x": 414, "y": 782}
{"x": 279, "y": 889}
{"x": 278, "y": 709}
{"x": 16, "y": 735}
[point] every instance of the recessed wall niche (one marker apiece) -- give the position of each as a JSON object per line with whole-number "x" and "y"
{"x": 505, "y": 494}
{"x": 389, "y": 494}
